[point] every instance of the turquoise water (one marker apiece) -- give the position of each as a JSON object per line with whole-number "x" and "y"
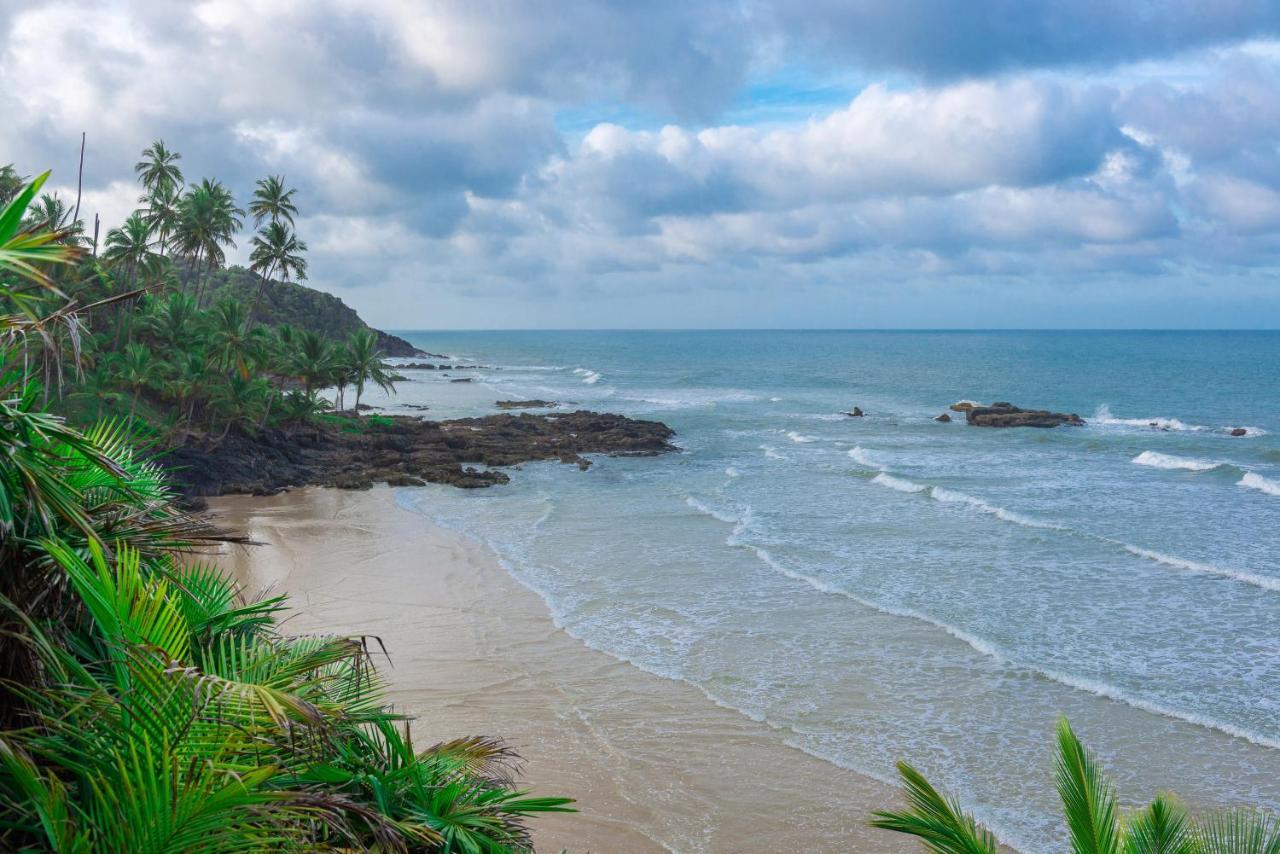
{"x": 892, "y": 587}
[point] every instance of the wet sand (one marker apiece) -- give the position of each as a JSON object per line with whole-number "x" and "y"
{"x": 653, "y": 763}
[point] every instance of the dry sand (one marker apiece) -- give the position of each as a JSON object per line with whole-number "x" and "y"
{"x": 653, "y": 763}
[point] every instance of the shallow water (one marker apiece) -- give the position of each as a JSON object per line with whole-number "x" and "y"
{"x": 892, "y": 587}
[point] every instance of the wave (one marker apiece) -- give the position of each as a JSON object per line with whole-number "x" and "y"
{"x": 1168, "y": 461}
{"x": 800, "y": 438}
{"x": 992, "y": 651}
{"x": 898, "y": 483}
{"x": 771, "y": 452}
{"x": 863, "y": 457}
{"x": 732, "y": 472}
{"x": 712, "y": 512}
{"x": 588, "y": 377}
{"x": 1252, "y": 480}
{"x": 950, "y": 496}
{"x": 1103, "y": 416}
{"x": 1262, "y": 581}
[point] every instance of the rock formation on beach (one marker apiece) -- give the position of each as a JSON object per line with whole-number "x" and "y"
{"x": 1002, "y": 414}
{"x": 526, "y": 404}
{"x": 403, "y": 450}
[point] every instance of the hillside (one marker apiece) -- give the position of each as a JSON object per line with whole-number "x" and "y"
{"x": 302, "y": 307}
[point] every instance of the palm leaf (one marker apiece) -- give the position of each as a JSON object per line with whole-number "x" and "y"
{"x": 938, "y": 822}
{"x": 1088, "y": 797}
{"x": 1239, "y": 831}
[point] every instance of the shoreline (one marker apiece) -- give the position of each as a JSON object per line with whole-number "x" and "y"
{"x": 654, "y": 764}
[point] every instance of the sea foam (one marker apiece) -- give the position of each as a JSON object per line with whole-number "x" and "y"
{"x": 1253, "y": 480}
{"x": 1169, "y": 461}
{"x": 800, "y": 438}
{"x": 863, "y": 457}
{"x": 1262, "y": 581}
{"x": 900, "y": 484}
{"x": 1103, "y": 416}
{"x": 950, "y": 496}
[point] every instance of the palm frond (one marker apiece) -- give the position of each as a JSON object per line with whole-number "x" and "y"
{"x": 938, "y": 822}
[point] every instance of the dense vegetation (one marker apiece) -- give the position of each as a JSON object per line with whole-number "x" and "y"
{"x": 154, "y": 330}
{"x": 146, "y": 705}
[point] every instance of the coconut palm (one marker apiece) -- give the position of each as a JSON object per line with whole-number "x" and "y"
{"x": 238, "y": 401}
{"x": 163, "y": 213}
{"x": 312, "y": 361}
{"x": 27, "y": 250}
{"x": 1095, "y": 824}
{"x": 364, "y": 360}
{"x": 172, "y": 320}
{"x": 276, "y": 250}
{"x": 11, "y": 183}
{"x": 231, "y": 346}
{"x": 158, "y": 169}
{"x": 208, "y": 222}
{"x": 130, "y": 245}
{"x": 50, "y": 213}
{"x": 272, "y": 202}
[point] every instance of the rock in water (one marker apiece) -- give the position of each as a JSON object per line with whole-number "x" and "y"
{"x": 944, "y": 418}
{"x": 526, "y": 404}
{"x": 1002, "y": 414}
{"x": 962, "y": 406}
{"x": 1239, "y": 431}
{"x": 856, "y": 412}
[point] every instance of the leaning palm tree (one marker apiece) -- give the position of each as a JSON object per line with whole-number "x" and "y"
{"x": 158, "y": 167}
{"x": 1095, "y": 824}
{"x": 364, "y": 360}
{"x": 276, "y": 250}
{"x": 272, "y": 201}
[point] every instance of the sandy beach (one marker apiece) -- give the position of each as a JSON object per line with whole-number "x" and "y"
{"x": 653, "y": 763}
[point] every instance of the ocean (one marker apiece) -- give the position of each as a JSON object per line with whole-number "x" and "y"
{"x": 891, "y": 587}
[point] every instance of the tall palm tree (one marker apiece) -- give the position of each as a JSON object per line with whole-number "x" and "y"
{"x": 271, "y": 201}
{"x": 232, "y": 347}
{"x": 163, "y": 213}
{"x": 239, "y": 400}
{"x": 1094, "y": 822}
{"x": 276, "y": 250}
{"x": 208, "y": 221}
{"x": 172, "y": 320}
{"x": 312, "y": 361}
{"x": 364, "y": 360}
{"x": 130, "y": 246}
{"x": 158, "y": 168}
{"x": 51, "y": 213}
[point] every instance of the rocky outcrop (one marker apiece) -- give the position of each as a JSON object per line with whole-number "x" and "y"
{"x": 403, "y": 450}
{"x": 944, "y": 418}
{"x": 1239, "y": 431}
{"x": 1003, "y": 414}
{"x": 856, "y": 412}
{"x": 962, "y": 406}
{"x": 526, "y": 404}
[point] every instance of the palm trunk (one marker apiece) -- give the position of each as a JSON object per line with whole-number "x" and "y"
{"x": 262, "y": 284}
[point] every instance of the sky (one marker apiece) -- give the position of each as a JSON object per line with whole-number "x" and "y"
{"x": 757, "y": 163}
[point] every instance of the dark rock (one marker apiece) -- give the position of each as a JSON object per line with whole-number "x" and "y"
{"x": 413, "y": 406}
{"x": 364, "y": 407}
{"x": 962, "y": 406}
{"x": 405, "y": 450}
{"x": 461, "y": 380}
{"x": 526, "y": 404}
{"x": 416, "y": 366}
{"x": 856, "y": 412}
{"x": 944, "y": 417}
{"x": 405, "y": 480}
{"x": 1002, "y": 414}
{"x": 1239, "y": 431}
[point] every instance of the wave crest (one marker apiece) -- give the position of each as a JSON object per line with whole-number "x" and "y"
{"x": 1253, "y": 480}
{"x": 1169, "y": 461}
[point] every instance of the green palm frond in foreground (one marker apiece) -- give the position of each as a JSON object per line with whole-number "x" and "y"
{"x": 1095, "y": 824}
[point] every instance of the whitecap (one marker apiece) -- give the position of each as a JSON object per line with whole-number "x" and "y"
{"x": 1169, "y": 461}
{"x": 897, "y": 483}
{"x": 800, "y": 438}
{"x": 1253, "y": 480}
{"x": 950, "y": 496}
{"x": 771, "y": 452}
{"x": 732, "y": 472}
{"x": 863, "y": 457}
{"x": 1103, "y": 416}
{"x": 711, "y": 511}
{"x": 1262, "y": 581}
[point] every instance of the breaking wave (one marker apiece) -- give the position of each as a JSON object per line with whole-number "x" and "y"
{"x": 1252, "y": 480}
{"x": 1168, "y": 461}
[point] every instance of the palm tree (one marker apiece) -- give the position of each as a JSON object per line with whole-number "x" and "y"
{"x": 276, "y": 249}
{"x": 51, "y": 213}
{"x": 271, "y": 201}
{"x": 208, "y": 221}
{"x": 232, "y": 347}
{"x": 1094, "y": 822}
{"x": 11, "y": 183}
{"x": 158, "y": 169}
{"x": 172, "y": 320}
{"x": 130, "y": 245}
{"x": 364, "y": 360}
{"x": 139, "y": 370}
{"x": 240, "y": 400}
{"x": 26, "y": 251}
{"x": 312, "y": 361}
{"x": 164, "y": 211}
{"x": 96, "y": 386}
{"x": 187, "y": 385}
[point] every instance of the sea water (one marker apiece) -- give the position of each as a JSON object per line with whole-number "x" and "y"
{"x": 891, "y": 587}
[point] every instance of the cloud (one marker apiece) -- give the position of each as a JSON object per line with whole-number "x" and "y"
{"x": 978, "y": 145}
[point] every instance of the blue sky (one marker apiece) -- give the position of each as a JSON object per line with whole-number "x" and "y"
{"x": 830, "y": 163}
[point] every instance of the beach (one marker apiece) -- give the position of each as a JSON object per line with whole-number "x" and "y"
{"x": 653, "y": 763}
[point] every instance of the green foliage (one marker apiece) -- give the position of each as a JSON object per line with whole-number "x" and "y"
{"x": 149, "y": 706}
{"x": 1092, "y": 815}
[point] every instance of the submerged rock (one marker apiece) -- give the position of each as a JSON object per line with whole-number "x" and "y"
{"x": 1239, "y": 431}
{"x": 856, "y": 412}
{"x": 944, "y": 417}
{"x": 1003, "y": 414}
